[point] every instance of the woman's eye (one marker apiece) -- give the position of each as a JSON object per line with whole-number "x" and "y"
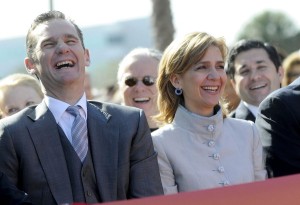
{"x": 200, "y": 67}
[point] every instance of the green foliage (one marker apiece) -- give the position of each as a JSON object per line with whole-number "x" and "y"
{"x": 273, "y": 27}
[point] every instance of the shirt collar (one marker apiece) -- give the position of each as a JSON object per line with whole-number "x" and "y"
{"x": 252, "y": 108}
{"x": 58, "y": 107}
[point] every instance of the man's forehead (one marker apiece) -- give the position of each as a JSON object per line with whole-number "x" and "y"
{"x": 54, "y": 26}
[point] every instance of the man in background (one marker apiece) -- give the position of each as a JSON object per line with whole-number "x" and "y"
{"x": 255, "y": 70}
{"x": 278, "y": 123}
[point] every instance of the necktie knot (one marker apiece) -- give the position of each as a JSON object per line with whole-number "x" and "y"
{"x": 73, "y": 110}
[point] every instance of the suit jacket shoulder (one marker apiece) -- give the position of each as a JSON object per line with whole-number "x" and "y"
{"x": 242, "y": 112}
{"x": 278, "y": 123}
{"x": 112, "y": 108}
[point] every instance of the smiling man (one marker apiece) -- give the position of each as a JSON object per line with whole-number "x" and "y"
{"x": 68, "y": 149}
{"x": 255, "y": 70}
{"x": 137, "y": 74}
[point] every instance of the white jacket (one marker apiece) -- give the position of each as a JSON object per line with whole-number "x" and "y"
{"x": 196, "y": 152}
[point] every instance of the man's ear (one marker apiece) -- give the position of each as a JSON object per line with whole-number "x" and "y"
{"x": 87, "y": 57}
{"x": 30, "y": 66}
{"x": 280, "y": 73}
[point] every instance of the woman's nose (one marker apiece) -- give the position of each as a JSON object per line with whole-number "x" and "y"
{"x": 213, "y": 74}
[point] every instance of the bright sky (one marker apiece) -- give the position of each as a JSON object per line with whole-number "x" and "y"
{"x": 217, "y": 17}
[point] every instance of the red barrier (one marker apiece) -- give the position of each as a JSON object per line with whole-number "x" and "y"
{"x": 277, "y": 191}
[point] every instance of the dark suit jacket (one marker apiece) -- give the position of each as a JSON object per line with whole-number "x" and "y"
{"x": 9, "y": 194}
{"x": 242, "y": 112}
{"x": 279, "y": 127}
{"x": 125, "y": 163}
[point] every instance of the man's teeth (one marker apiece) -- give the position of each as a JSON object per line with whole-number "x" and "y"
{"x": 64, "y": 63}
{"x": 256, "y": 87}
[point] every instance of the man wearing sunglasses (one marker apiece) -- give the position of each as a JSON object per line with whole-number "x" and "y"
{"x": 136, "y": 78}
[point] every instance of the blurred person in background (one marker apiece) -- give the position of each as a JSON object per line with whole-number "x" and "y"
{"x": 291, "y": 66}
{"x": 88, "y": 86}
{"x": 137, "y": 75}
{"x": 18, "y": 91}
{"x": 255, "y": 70}
{"x": 230, "y": 99}
{"x": 199, "y": 147}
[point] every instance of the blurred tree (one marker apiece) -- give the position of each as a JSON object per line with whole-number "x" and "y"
{"x": 275, "y": 28}
{"x": 162, "y": 20}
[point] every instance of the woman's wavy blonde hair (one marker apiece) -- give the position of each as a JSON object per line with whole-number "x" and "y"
{"x": 178, "y": 57}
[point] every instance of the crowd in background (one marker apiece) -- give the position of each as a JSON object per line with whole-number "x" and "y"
{"x": 197, "y": 115}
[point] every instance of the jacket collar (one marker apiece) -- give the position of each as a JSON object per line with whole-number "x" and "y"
{"x": 208, "y": 127}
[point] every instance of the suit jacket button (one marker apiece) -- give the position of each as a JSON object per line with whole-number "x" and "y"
{"x": 89, "y": 193}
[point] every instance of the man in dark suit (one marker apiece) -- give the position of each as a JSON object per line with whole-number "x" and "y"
{"x": 278, "y": 123}
{"x": 255, "y": 70}
{"x": 113, "y": 159}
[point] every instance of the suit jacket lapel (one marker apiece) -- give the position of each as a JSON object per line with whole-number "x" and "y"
{"x": 46, "y": 139}
{"x": 103, "y": 138}
{"x": 242, "y": 112}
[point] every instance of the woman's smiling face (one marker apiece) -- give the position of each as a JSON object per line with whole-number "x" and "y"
{"x": 204, "y": 83}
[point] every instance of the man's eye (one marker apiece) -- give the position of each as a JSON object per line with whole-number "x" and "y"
{"x": 13, "y": 111}
{"x": 245, "y": 72}
{"x": 48, "y": 44}
{"x": 71, "y": 41}
{"x": 262, "y": 67}
{"x": 29, "y": 103}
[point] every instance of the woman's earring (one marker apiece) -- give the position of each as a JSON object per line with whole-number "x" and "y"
{"x": 178, "y": 91}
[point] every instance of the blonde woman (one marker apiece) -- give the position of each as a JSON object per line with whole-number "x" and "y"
{"x": 291, "y": 66}
{"x": 198, "y": 147}
{"x": 18, "y": 91}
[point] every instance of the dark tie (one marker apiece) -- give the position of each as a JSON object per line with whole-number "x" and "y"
{"x": 79, "y": 133}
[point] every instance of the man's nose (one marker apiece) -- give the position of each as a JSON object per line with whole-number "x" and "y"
{"x": 62, "y": 48}
{"x": 255, "y": 74}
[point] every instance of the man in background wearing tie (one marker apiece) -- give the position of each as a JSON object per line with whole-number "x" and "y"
{"x": 68, "y": 149}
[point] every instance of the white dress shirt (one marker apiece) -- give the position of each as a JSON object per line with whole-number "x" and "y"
{"x": 62, "y": 117}
{"x": 252, "y": 108}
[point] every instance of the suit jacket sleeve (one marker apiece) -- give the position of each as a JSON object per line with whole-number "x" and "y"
{"x": 144, "y": 172}
{"x": 9, "y": 194}
{"x": 8, "y": 159}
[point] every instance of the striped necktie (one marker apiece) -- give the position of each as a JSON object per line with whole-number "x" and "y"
{"x": 78, "y": 132}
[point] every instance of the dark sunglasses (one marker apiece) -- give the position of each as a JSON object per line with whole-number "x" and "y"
{"x": 147, "y": 80}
